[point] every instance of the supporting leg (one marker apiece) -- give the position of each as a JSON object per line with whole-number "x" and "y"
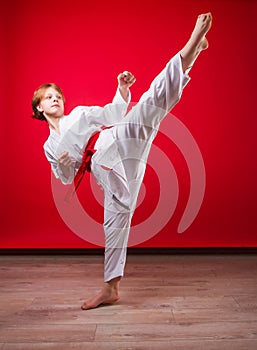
{"x": 117, "y": 221}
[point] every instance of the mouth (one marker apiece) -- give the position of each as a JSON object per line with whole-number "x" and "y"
{"x": 56, "y": 105}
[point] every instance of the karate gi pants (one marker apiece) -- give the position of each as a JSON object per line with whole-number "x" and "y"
{"x": 124, "y": 149}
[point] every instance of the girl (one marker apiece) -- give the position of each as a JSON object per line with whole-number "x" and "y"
{"x": 116, "y": 155}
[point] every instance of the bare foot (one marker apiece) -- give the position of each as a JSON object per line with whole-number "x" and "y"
{"x": 202, "y": 26}
{"x": 197, "y": 41}
{"x": 108, "y": 295}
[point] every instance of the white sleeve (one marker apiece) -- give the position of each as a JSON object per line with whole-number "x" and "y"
{"x": 111, "y": 113}
{"x": 118, "y": 99}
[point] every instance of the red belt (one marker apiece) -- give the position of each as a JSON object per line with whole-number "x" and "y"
{"x": 85, "y": 166}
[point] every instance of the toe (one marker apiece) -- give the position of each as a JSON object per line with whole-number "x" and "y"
{"x": 84, "y": 306}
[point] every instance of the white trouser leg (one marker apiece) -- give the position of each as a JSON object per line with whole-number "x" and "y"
{"x": 135, "y": 134}
{"x": 166, "y": 89}
{"x": 164, "y": 92}
{"x": 117, "y": 221}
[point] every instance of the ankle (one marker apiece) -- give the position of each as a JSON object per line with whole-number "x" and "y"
{"x": 113, "y": 284}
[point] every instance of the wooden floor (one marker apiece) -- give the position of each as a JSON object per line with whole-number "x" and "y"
{"x": 168, "y": 302}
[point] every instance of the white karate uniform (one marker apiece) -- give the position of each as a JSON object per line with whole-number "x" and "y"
{"x": 120, "y": 160}
{"x": 77, "y": 128}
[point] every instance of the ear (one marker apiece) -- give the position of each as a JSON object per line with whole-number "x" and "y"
{"x": 40, "y": 109}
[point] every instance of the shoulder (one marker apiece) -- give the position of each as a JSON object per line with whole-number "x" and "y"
{"x": 47, "y": 149}
{"x": 50, "y": 144}
{"x": 46, "y": 145}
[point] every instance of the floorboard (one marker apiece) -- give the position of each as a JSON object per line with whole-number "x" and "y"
{"x": 168, "y": 302}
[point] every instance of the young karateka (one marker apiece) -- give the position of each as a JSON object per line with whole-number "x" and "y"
{"x": 116, "y": 155}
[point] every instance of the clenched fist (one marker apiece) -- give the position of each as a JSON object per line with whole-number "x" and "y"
{"x": 126, "y": 79}
{"x": 65, "y": 159}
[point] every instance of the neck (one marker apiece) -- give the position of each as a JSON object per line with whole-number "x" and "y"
{"x": 54, "y": 124}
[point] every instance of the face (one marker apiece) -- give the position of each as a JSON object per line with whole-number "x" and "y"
{"x": 52, "y": 104}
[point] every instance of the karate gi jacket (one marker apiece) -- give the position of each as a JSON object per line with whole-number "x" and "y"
{"x": 77, "y": 128}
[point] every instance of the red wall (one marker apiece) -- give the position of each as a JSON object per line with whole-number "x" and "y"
{"x": 82, "y": 46}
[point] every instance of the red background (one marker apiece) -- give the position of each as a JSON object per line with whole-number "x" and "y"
{"x": 82, "y": 46}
